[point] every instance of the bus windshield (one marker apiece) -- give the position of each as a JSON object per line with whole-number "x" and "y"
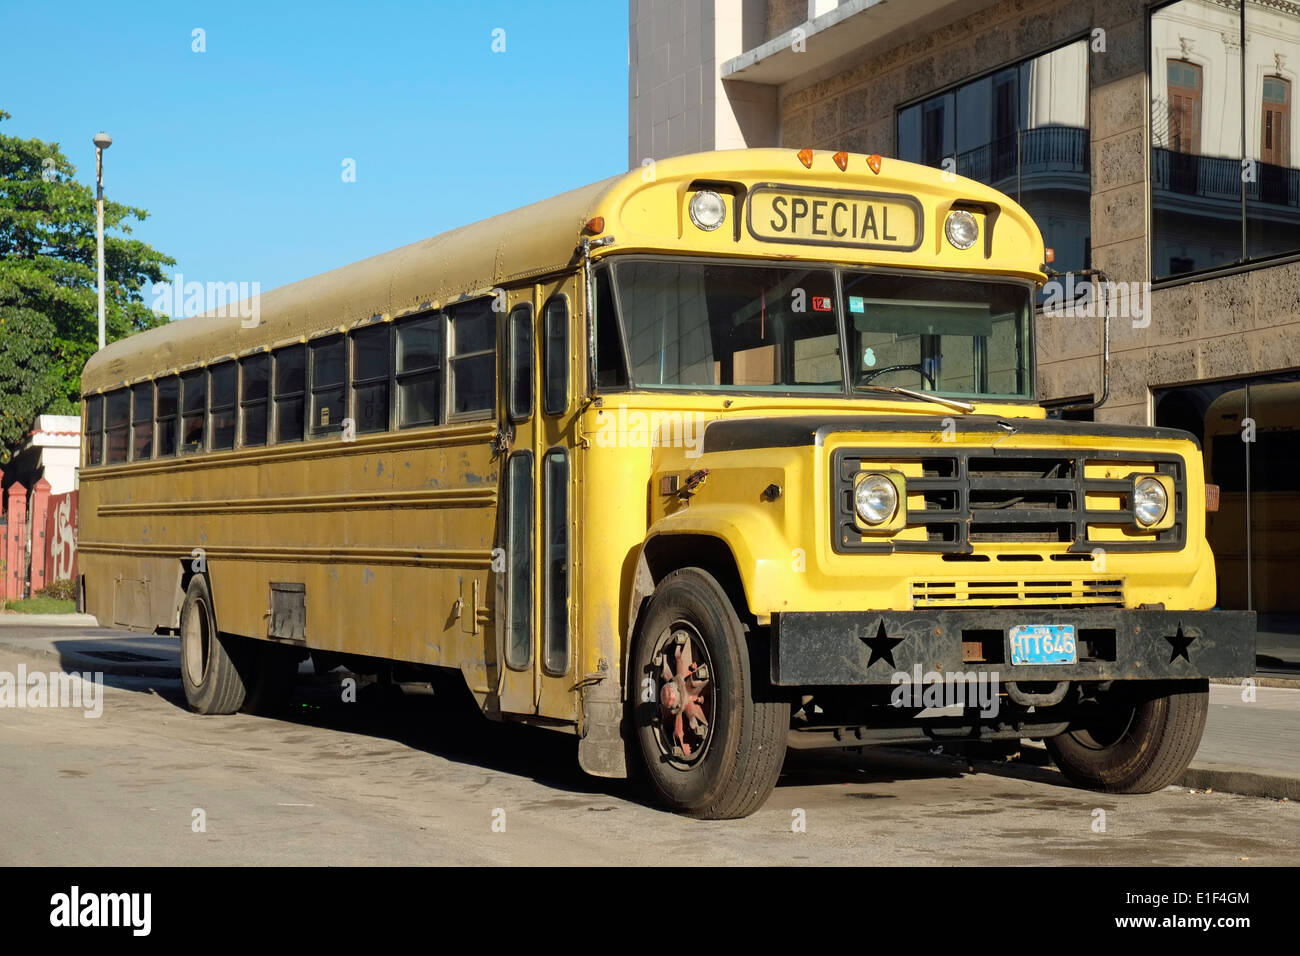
{"x": 732, "y": 327}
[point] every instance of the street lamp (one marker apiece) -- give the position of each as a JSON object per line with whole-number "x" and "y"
{"x": 102, "y": 142}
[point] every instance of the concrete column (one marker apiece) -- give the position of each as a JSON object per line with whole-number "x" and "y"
{"x": 15, "y": 532}
{"x": 40, "y": 547}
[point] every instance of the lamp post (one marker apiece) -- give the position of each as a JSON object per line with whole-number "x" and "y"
{"x": 102, "y": 142}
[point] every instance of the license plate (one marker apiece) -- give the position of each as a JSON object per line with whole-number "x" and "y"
{"x": 1043, "y": 644}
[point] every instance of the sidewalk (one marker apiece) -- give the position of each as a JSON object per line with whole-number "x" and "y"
{"x": 1248, "y": 748}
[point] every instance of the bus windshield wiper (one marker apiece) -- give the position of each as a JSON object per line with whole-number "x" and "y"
{"x": 924, "y": 396}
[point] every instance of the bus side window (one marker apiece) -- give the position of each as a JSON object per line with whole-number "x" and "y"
{"x": 117, "y": 426}
{"x": 168, "y": 406}
{"x": 555, "y": 320}
{"x": 290, "y": 389}
{"x": 254, "y": 385}
{"x": 329, "y": 359}
{"x": 142, "y": 421}
{"x": 94, "y": 429}
{"x": 519, "y": 361}
{"x": 194, "y": 409}
{"x": 611, "y": 369}
{"x": 419, "y": 371}
{"x": 473, "y": 363}
{"x": 371, "y": 367}
{"x": 221, "y": 411}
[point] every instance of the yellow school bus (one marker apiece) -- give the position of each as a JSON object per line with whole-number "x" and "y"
{"x": 730, "y": 453}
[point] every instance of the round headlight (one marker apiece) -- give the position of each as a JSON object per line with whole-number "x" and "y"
{"x": 708, "y": 210}
{"x": 961, "y": 229}
{"x": 1149, "y": 501}
{"x": 876, "y": 499}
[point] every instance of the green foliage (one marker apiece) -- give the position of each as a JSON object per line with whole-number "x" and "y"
{"x": 63, "y": 590}
{"x": 48, "y": 282}
{"x": 41, "y": 605}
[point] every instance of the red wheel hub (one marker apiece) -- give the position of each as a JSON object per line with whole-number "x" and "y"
{"x": 682, "y": 694}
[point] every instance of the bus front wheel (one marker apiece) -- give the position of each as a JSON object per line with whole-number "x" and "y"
{"x": 1136, "y": 737}
{"x": 710, "y": 736}
{"x": 212, "y": 682}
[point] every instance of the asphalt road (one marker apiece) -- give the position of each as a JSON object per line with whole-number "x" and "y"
{"x": 405, "y": 782}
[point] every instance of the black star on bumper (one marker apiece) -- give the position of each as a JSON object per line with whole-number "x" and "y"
{"x": 1179, "y": 642}
{"x": 882, "y": 646}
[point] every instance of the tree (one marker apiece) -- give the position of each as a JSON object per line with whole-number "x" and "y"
{"x": 48, "y": 303}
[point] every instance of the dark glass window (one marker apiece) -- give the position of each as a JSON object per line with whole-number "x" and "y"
{"x": 519, "y": 552}
{"x": 328, "y": 381}
{"x": 194, "y": 408}
{"x": 290, "y": 390}
{"x": 253, "y": 398}
{"x": 473, "y": 359}
{"x": 419, "y": 371}
{"x": 1219, "y": 198}
{"x": 556, "y": 321}
{"x": 168, "y": 406}
{"x": 221, "y": 411}
{"x": 142, "y": 421}
{"x": 555, "y": 570}
{"x": 117, "y": 426}
{"x": 94, "y": 429}
{"x": 611, "y": 366}
{"x": 1024, "y": 131}
{"x": 521, "y": 363}
{"x": 371, "y": 373}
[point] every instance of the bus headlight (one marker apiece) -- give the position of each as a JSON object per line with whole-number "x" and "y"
{"x": 708, "y": 210}
{"x": 876, "y": 499}
{"x": 961, "y": 229}
{"x": 1150, "y": 502}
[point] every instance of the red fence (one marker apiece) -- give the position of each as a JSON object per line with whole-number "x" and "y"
{"x": 39, "y": 539}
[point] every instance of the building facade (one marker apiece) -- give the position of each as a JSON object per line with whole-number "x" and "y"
{"x": 1153, "y": 141}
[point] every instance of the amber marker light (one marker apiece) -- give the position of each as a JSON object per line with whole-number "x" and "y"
{"x": 805, "y": 157}
{"x": 874, "y": 162}
{"x": 1049, "y": 255}
{"x": 595, "y": 225}
{"x": 841, "y": 160}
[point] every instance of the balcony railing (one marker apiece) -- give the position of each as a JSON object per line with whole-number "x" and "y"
{"x": 1220, "y": 177}
{"x": 1044, "y": 149}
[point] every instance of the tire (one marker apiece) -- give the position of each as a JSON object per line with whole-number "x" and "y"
{"x": 728, "y": 764}
{"x": 1137, "y": 738}
{"x": 212, "y": 681}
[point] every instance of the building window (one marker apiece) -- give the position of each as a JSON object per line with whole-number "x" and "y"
{"x": 1223, "y": 191}
{"x": 1024, "y": 131}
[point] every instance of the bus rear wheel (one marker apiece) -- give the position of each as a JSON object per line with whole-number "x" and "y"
{"x": 212, "y": 682}
{"x": 710, "y": 738}
{"x": 1136, "y": 737}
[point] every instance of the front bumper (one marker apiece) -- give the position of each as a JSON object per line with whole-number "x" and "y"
{"x": 822, "y": 648}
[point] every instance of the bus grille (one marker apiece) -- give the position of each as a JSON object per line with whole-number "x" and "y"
{"x": 989, "y": 496}
{"x": 1090, "y": 591}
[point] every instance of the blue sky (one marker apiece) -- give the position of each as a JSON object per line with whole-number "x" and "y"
{"x": 238, "y": 152}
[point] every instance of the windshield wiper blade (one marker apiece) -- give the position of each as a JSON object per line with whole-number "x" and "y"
{"x": 923, "y": 396}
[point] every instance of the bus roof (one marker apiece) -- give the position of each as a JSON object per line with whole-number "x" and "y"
{"x": 644, "y": 210}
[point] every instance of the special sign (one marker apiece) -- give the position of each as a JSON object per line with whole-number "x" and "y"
{"x": 834, "y": 217}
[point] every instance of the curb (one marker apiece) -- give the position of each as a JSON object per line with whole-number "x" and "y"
{"x": 16, "y": 619}
{"x": 1230, "y": 778}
